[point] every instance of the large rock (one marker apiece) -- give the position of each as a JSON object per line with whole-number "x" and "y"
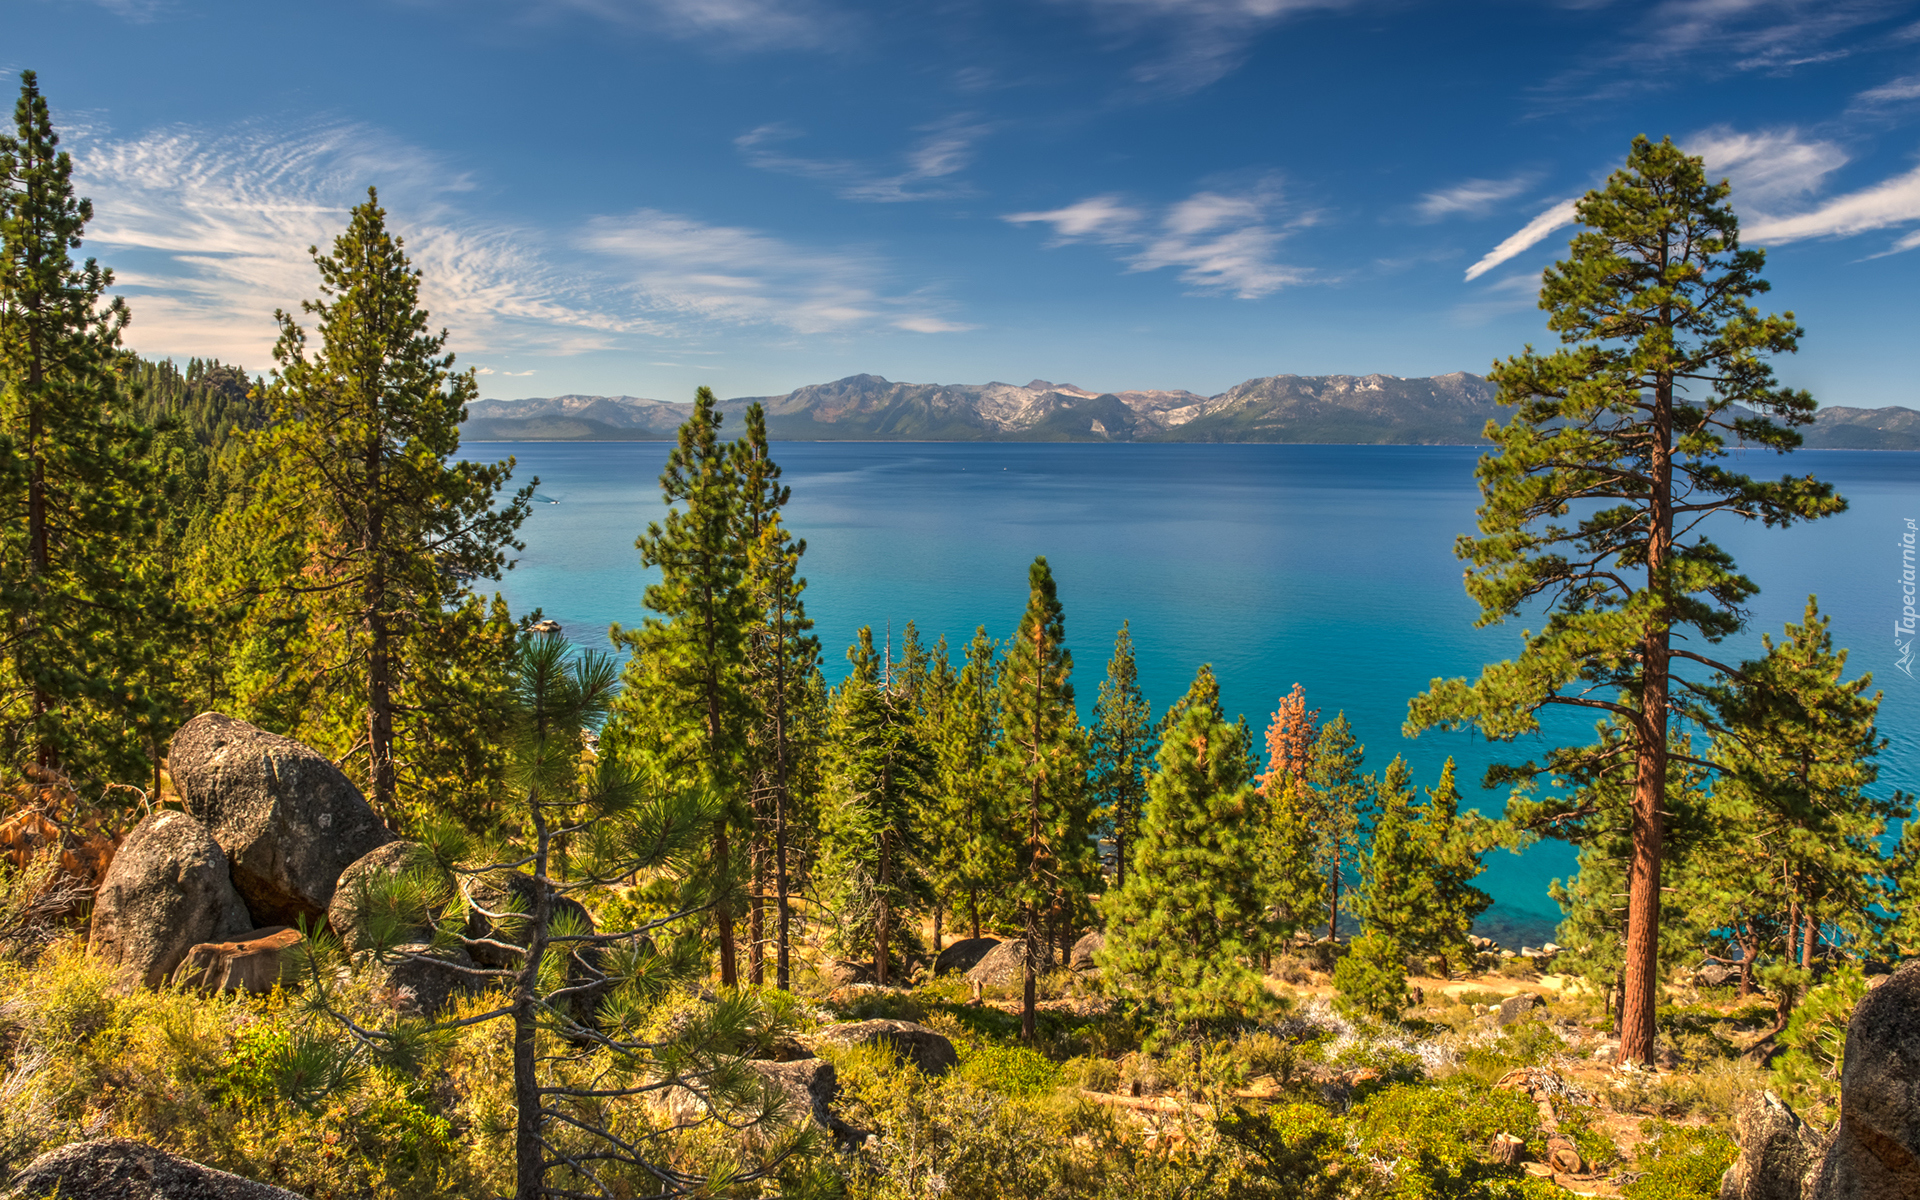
{"x": 253, "y": 962}
{"x": 963, "y": 955}
{"x": 416, "y": 981}
{"x": 1083, "y": 951}
{"x": 166, "y": 892}
{"x": 517, "y": 895}
{"x": 117, "y": 1169}
{"x": 349, "y": 912}
{"x": 1002, "y": 966}
{"x": 809, "y": 1084}
{"x": 287, "y": 819}
{"x": 1515, "y": 1009}
{"x": 1875, "y": 1151}
{"x": 1777, "y": 1152}
{"x": 925, "y": 1049}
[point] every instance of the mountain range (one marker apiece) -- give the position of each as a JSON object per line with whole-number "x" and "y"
{"x": 1366, "y": 409}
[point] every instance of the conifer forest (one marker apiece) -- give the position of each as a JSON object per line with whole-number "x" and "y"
{"x": 322, "y": 867}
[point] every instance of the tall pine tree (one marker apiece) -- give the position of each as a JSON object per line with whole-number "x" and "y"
{"x": 1665, "y": 360}
{"x": 684, "y": 704}
{"x": 1341, "y": 799}
{"x": 1041, "y": 774}
{"x": 1194, "y": 916}
{"x": 371, "y": 532}
{"x": 1123, "y": 748}
{"x": 85, "y": 611}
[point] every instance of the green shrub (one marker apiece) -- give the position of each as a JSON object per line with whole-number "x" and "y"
{"x": 1679, "y": 1162}
{"x": 1815, "y": 1040}
{"x": 1090, "y": 1072}
{"x": 1008, "y": 1070}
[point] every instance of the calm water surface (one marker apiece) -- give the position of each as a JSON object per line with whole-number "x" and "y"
{"x": 1329, "y": 565}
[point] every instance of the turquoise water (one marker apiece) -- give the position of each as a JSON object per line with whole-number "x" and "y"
{"x": 1329, "y": 565}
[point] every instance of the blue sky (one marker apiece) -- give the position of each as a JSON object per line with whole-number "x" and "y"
{"x": 641, "y": 196}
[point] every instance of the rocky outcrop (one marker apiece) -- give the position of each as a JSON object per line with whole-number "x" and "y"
{"x": 1777, "y": 1152}
{"x": 167, "y": 891}
{"x": 288, "y": 821}
{"x": 254, "y": 962}
{"x": 1875, "y": 1151}
{"x": 925, "y": 1049}
{"x": 963, "y": 955}
{"x": 809, "y": 1085}
{"x": 1083, "y": 951}
{"x": 348, "y": 913}
{"x": 1002, "y": 966}
{"x": 1523, "y": 1007}
{"x": 118, "y": 1169}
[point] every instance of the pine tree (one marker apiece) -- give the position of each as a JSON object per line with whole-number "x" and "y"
{"x": 1123, "y": 750}
{"x": 1452, "y": 844}
{"x": 685, "y": 700}
{"x": 87, "y": 614}
{"x": 1665, "y": 359}
{"x": 877, "y": 773}
{"x": 369, "y": 530}
{"x": 1796, "y": 749}
{"x": 972, "y": 851}
{"x": 1395, "y": 898}
{"x": 781, "y": 656}
{"x": 1041, "y": 773}
{"x": 1341, "y": 801}
{"x": 1289, "y": 843}
{"x": 1193, "y": 917}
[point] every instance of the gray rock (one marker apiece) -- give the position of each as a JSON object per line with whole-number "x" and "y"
{"x": 1002, "y": 966}
{"x": 348, "y": 912}
{"x": 1777, "y": 1152}
{"x": 254, "y": 962}
{"x": 118, "y": 1169}
{"x": 963, "y": 955}
{"x": 1518, "y": 1008}
{"x": 809, "y": 1084}
{"x": 1714, "y": 975}
{"x": 925, "y": 1049}
{"x": 414, "y": 983}
{"x": 288, "y": 821}
{"x": 517, "y": 895}
{"x": 1084, "y": 950}
{"x": 166, "y": 892}
{"x": 1875, "y": 1151}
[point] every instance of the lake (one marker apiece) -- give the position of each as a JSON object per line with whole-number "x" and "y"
{"x": 1332, "y": 566}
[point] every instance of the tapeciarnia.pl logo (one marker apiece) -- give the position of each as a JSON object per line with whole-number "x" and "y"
{"x": 1903, "y": 625}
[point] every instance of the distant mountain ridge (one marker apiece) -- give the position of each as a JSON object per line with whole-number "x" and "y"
{"x": 1354, "y": 409}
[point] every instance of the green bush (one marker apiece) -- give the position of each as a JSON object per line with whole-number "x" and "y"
{"x": 1815, "y": 1040}
{"x": 1679, "y": 1162}
{"x": 1008, "y": 1070}
{"x": 1090, "y": 1072}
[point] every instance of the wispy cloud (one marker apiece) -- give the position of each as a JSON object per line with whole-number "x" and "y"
{"x": 1196, "y": 42}
{"x": 1718, "y": 36}
{"x": 943, "y": 150}
{"x": 1894, "y": 91}
{"x": 677, "y": 264}
{"x": 1529, "y": 235}
{"x": 1471, "y": 198}
{"x": 1776, "y": 174}
{"x": 1893, "y": 202}
{"x": 1218, "y": 242}
{"x": 751, "y": 24}
{"x": 208, "y": 235}
{"x": 1768, "y": 167}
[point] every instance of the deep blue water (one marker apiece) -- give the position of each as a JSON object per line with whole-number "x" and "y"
{"x": 1330, "y": 565}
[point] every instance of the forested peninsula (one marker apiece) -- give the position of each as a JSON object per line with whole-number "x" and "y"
{"x": 324, "y": 873}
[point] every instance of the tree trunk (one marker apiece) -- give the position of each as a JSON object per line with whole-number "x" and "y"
{"x": 1333, "y": 905}
{"x": 756, "y": 913}
{"x": 722, "y": 862}
{"x": 1642, "y": 963}
{"x": 881, "y": 926}
{"x": 782, "y": 912}
{"x": 1806, "y": 943}
{"x": 973, "y": 909}
{"x": 528, "y": 1151}
{"x": 39, "y": 549}
{"x": 1028, "y": 992}
{"x": 938, "y": 910}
